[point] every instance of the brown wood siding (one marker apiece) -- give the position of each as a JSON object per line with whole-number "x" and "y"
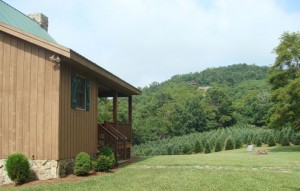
{"x": 78, "y": 128}
{"x": 29, "y": 99}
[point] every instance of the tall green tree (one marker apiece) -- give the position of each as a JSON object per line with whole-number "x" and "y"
{"x": 285, "y": 80}
{"x": 219, "y": 109}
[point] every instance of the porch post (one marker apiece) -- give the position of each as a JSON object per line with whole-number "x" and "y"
{"x": 129, "y": 109}
{"x": 115, "y": 107}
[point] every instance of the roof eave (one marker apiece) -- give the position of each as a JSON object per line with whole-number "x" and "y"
{"x": 128, "y": 88}
{"x": 35, "y": 40}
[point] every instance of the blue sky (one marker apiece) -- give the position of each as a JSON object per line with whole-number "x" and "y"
{"x": 143, "y": 41}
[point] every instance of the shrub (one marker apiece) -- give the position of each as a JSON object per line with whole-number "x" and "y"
{"x": 107, "y": 151}
{"x": 198, "y": 147}
{"x": 83, "y": 164}
{"x": 18, "y": 168}
{"x": 297, "y": 139}
{"x": 271, "y": 141}
{"x": 106, "y": 159}
{"x": 207, "y": 148}
{"x": 229, "y": 144}
{"x": 285, "y": 141}
{"x": 238, "y": 143}
{"x": 102, "y": 164}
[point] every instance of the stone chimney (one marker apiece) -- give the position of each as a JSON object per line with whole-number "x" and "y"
{"x": 41, "y": 19}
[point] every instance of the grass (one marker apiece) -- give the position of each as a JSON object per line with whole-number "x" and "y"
{"x": 227, "y": 170}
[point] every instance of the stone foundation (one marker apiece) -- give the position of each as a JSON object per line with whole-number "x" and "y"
{"x": 42, "y": 169}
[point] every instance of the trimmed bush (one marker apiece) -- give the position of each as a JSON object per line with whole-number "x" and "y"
{"x": 18, "y": 168}
{"x": 285, "y": 141}
{"x": 102, "y": 164}
{"x": 83, "y": 164}
{"x": 229, "y": 144}
{"x": 106, "y": 159}
{"x": 207, "y": 148}
{"x": 297, "y": 139}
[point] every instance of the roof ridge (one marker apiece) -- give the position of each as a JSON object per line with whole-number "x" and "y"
{"x": 23, "y": 14}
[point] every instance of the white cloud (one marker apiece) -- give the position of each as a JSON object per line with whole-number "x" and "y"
{"x": 143, "y": 41}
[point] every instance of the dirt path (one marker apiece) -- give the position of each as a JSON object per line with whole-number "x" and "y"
{"x": 207, "y": 167}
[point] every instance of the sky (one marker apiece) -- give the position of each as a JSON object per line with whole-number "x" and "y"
{"x": 145, "y": 41}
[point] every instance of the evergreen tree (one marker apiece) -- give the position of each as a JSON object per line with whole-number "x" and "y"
{"x": 229, "y": 144}
{"x": 198, "y": 147}
{"x": 285, "y": 141}
{"x": 219, "y": 146}
{"x": 207, "y": 148}
{"x": 271, "y": 141}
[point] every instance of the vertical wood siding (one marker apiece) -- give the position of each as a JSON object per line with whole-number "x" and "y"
{"x": 78, "y": 128}
{"x": 29, "y": 100}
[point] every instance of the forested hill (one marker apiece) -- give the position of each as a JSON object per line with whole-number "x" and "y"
{"x": 228, "y": 75}
{"x": 196, "y": 102}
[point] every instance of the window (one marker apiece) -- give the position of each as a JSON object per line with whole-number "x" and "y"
{"x": 80, "y": 93}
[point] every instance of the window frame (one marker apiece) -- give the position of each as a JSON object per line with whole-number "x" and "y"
{"x": 75, "y": 92}
{"x": 83, "y": 79}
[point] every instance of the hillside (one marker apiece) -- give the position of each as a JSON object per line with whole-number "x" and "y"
{"x": 196, "y": 102}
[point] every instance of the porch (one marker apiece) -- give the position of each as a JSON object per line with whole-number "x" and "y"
{"x": 116, "y": 135}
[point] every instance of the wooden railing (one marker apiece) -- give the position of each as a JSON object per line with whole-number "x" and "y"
{"x": 124, "y": 129}
{"x": 109, "y": 136}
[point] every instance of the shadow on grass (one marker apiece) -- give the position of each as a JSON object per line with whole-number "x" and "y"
{"x": 295, "y": 148}
{"x": 134, "y": 160}
{"x": 294, "y": 189}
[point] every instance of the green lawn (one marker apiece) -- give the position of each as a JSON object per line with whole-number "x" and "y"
{"x": 230, "y": 170}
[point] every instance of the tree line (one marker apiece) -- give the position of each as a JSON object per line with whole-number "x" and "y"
{"x": 217, "y": 98}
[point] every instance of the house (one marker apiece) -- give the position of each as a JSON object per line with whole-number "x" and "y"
{"x": 49, "y": 96}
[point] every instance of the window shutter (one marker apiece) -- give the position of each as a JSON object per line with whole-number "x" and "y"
{"x": 87, "y": 100}
{"x": 73, "y": 91}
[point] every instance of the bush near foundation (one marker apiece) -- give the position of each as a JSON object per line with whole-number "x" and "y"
{"x": 103, "y": 164}
{"x": 18, "y": 168}
{"x": 83, "y": 164}
{"x": 106, "y": 160}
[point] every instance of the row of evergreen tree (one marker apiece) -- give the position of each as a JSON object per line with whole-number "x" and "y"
{"x": 218, "y": 140}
